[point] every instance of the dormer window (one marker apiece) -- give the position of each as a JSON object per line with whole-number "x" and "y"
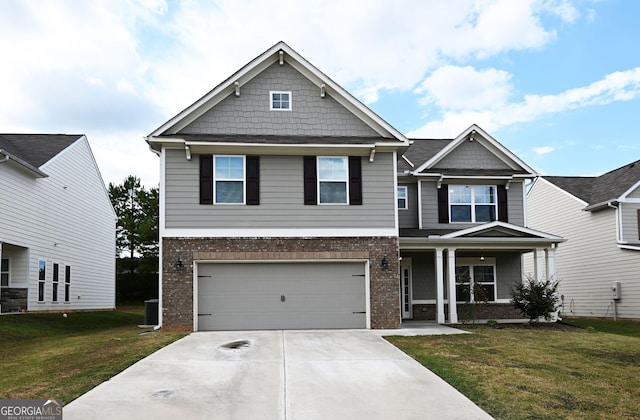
{"x": 280, "y": 101}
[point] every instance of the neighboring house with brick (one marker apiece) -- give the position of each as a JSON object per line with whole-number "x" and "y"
{"x": 57, "y": 241}
{"x": 279, "y": 195}
{"x": 600, "y": 217}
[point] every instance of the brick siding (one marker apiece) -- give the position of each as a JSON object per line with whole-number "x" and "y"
{"x": 177, "y": 285}
{"x": 483, "y": 311}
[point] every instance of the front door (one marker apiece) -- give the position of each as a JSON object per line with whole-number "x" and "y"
{"x": 405, "y": 288}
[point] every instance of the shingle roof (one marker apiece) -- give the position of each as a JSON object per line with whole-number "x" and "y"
{"x": 578, "y": 186}
{"x": 36, "y": 149}
{"x": 421, "y": 151}
{"x": 602, "y": 189}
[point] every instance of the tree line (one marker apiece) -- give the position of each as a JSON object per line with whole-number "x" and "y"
{"x": 137, "y": 233}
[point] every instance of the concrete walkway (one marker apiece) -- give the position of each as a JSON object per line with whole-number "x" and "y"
{"x": 306, "y": 375}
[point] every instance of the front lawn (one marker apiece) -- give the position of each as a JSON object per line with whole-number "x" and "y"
{"x": 542, "y": 372}
{"x": 50, "y": 356}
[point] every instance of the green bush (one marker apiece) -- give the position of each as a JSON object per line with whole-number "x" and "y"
{"x": 535, "y": 299}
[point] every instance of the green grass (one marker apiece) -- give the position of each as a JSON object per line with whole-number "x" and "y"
{"x": 556, "y": 372}
{"x": 621, "y": 327}
{"x": 50, "y": 356}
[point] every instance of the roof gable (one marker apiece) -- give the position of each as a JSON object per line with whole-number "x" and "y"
{"x": 313, "y": 116}
{"x": 598, "y": 191}
{"x": 32, "y": 151}
{"x": 503, "y": 159}
{"x": 578, "y": 186}
{"x": 280, "y": 54}
{"x": 500, "y": 230}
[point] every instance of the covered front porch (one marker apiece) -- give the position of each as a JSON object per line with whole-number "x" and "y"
{"x": 468, "y": 274}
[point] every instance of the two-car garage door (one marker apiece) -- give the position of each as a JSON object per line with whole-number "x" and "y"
{"x": 255, "y": 296}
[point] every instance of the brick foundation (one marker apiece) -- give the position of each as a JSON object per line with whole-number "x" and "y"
{"x": 465, "y": 311}
{"x": 177, "y": 285}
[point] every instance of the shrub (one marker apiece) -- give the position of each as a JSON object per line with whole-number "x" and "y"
{"x": 535, "y": 299}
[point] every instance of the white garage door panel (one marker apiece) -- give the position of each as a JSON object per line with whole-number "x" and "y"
{"x": 249, "y": 296}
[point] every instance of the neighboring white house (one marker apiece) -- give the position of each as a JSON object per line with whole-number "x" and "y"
{"x": 57, "y": 241}
{"x": 600, "y": 218}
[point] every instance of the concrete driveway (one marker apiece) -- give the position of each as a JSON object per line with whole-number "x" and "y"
{"x": 349, "y": 374}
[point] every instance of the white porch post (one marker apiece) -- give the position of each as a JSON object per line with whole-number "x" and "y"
{"x": 537, "y": 264}
{"x": 439, "y": 286}
{"x": 550, "y": 262}
{"x": 451, "y": 268}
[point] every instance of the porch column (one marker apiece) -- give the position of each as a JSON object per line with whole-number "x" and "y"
{"x": 451, "y": 268}
{"x": 550, "y": 262}
{"x": 439, "y": 286}
{"x": 537, "y": 264}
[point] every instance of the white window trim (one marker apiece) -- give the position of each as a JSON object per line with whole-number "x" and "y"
{"x": 64, "y": 282}
{"x": 271, "y": 108}
{"x": 8, "y": 272}
{"x": 406, "y": 197}
{"x": 243, "y": 179}
{"x": 43, "y": 281}
{"x": 55, "y": 280}
{"x": 489, "y": 262}
{"x": 318, "y": 180}
{"x": 473, "y": 202}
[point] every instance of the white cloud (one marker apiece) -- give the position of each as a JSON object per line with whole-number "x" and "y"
{"x": 457, "y": 88}
{"x": 543, "y": 150}
{"x": 617, "y": 86}
{"x": 117, "y": 69}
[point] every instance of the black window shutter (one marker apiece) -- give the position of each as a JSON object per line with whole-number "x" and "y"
{"x": 503, "y": 212}
{"x": 443, "y": 204}
{"x": 206, "y": 179}
{"x": 253, "y": 180}
{"x": 355, "y": 180}
{"x": 310, "y": 180}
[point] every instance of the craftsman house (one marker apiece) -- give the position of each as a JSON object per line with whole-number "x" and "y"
{"x": 57, "y": 242}
{"x": 286, "y": 203}
{"x": 600, "y": 216}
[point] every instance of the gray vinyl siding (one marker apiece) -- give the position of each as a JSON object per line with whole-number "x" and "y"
{"x": 281, "y": 198}
{"x": 471, "y": 155}
{"x": 249, "y": 113}
{"x": 590, "y": 260}
{"x": 423, "y": 274}
{"x": 515, "y": 200}
{"x": 635, "y": 193}
{"x": 629, "y": 221}
{"x": 508, "y": 272}
{"x": 408, "y": 218}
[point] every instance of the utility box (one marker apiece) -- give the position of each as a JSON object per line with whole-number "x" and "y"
{"x": 615, "y": 290}
{"x": 151, "y": 312}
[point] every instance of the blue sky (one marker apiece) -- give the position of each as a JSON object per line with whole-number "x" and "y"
{"x": 556, "y": 81}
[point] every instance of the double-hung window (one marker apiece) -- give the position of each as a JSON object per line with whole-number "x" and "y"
{"x": 402, "y": 198}
{"x": 229, "y": 179}
{"x": 475, "y": 283}
{"x": 472, "y": 203}
{"x": 42, "y": 275}
{"x": 4, "y": 272}
{"x": 333, "y": 180}
{"x": 280, "y": 101}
